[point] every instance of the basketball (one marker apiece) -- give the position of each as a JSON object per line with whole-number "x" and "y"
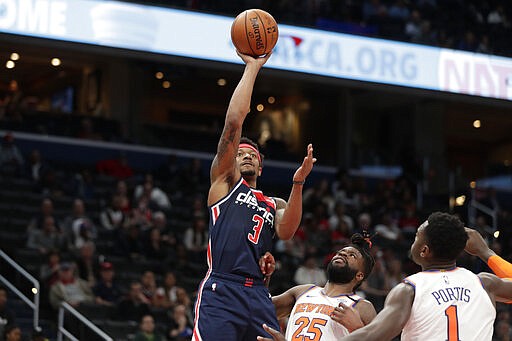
{"x": 254, "y": 32}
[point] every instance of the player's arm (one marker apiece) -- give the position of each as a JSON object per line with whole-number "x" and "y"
{"x": 391, "y": 319}
{"x": 289, "y": 213}
{"x": 477, "y": 246}
{"x": 500, "y": 288}
{"x": 354, "y": 317}
{"x": 223, "y": 172}
{"x": 284, "y": 303}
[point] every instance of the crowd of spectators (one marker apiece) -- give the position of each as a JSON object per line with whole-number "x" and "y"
{"x": 123, "y": 249}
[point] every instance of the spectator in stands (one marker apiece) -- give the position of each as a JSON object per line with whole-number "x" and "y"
{"x": 142, "y": 214}
{"x": 83, "y": 185}
{"x": 117, "y": 168}
{"x": 159, "y": 222}
{"x": 196, "y": 239}
{"x": 129, "y": 244}
{"x": 121, "y": 190}
{"x": 46, "y": 239}
{"x": 11, "y": 159}
{"x": 49, "y": 273}
{"x": 341, "y": 215}
{"x": 180, "y": 325}
{"x": 112, "y": 217}
{"x": 46, "y": 209}
{"x": 167, "y": 294}
{"x": 469, "y": 42}
{"x": 6, "y": 315}
{"x": 375, "y": 287}
{"x": 388, "y": 233}
{"x": 310, "y": 272}
{"x": 155, "y": 195}
{"x": 193, "y": 178}
{"x": 413, "y": 26}
{"x": 69, "y": 288}
{"x": 79, "y": 227}
{"x": 88, "y": 263}
{"x": 147, "y": 330}
{"x": 149, "y": 286}
{"x": 106, "y": 290}
{"x": 155, "y": 247}
{"x": 36, "y": 170}
{"x": 12, "y": 333}
{"x": 135, "y": 305}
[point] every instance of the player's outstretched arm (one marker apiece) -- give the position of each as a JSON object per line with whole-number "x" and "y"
{"x": 477, "y": 246}
{"x": 284, "y": 302}
{"x": 289, "y": 213}
{"x": 223, "y": 171}
{"x": 390, "y": 321}
{"x": 500, "y": 288}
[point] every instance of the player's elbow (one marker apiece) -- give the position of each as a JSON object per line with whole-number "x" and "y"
{"x": 285, "y": 233}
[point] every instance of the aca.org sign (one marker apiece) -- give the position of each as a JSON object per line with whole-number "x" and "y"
{"x": 29, "y": 16}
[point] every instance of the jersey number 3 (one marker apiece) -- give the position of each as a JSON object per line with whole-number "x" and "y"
{"x": 453, "y": 323}
{"x": 254, "y": 237}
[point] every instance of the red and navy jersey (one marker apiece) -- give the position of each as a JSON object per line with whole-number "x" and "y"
{"x": 241, "y": 231}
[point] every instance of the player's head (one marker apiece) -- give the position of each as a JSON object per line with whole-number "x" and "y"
{"x": 441, "y": 238}
{"x": 249, "y": 158}
{"x": 352, "y": 263}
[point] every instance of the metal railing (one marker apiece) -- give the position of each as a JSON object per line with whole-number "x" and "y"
{"x": 33, "y": 304}
{"x": 62, "y": 331}
{"x": 475, "y": 206}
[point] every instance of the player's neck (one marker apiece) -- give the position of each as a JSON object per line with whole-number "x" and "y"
{"x": 250, "y": 181}
{"x": 439, "y": 266}
{"x": 335, "y": 289}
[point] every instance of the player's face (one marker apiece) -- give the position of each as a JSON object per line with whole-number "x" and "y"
{"x": 248, "y": 162}
{"x": 418, "y": 244}
{"x": 345, "y": 265}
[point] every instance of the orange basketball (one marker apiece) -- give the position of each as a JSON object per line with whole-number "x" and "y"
{"x": 254, "y": 32}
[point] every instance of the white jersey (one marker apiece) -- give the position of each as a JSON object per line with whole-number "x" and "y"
{"x": 449, "y": 305}
{"x": 310, "y": 318}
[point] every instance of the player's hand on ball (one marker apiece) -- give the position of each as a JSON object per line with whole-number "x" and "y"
{"x": 347, "y": 316}
{"x": 276, "y": 336}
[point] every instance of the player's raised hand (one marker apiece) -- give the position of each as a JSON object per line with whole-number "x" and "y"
{"x": 260, "y": 61}
{"x": 476, "y": 245}
{"x": 347, "y": 316}
{"x": 276, "y": 336}
{"x": 306, "y": 167}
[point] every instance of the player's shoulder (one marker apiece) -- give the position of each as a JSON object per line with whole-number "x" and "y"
{"x": 280, "y": 202}
{"x": 299, "y": 290}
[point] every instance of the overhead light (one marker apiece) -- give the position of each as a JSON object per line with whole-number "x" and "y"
{"x": 496, "y": 233}
{"x": 459, "y": 201}
{"x": 221, "y": 82}
{"x": 477, "y": 124}
{"x": 260, "y": 107}
{"x": 159, "y": 75}
{"x": 166, "y": 84}
{"x": 10, "y": 64}
{"x": 271, "y": 100}
{"x": 56, "y": 61}
{"x": 15, "y": 56}
{"x": 472, "y": 184}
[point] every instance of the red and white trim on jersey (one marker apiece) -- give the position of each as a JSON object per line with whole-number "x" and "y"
{"x": 216, "y": 207}
{"x": 197, "y": 336}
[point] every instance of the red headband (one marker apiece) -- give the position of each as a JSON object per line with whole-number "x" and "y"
{"x": 246, "y": 145}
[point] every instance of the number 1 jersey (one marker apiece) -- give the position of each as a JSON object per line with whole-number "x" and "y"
{"x": 449, "y": 305}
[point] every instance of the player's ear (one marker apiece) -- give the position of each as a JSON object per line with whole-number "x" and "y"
{"x": 260, "y": 169}
{"x": 359, "y": 276}
{"x": 424, "y": 250}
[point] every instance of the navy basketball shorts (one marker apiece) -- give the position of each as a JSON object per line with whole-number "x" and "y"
{"x": 232, "y": 308}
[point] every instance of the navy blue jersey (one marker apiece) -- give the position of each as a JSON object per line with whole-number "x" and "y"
{"x": 241, "y": 231}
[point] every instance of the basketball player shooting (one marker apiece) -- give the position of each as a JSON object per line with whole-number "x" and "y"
{"x": 233, "y": 301}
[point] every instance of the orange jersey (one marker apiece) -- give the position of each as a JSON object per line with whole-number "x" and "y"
{"x": 449, "y": 305}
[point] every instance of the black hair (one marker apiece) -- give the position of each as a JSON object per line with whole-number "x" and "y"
{"x": 362, "y": 244}
{"x": 247, "y": 140}
{"x": 445, "y": 235}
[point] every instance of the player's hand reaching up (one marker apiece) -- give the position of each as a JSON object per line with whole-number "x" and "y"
{"x": 306, "y": 167}
{"x": 267, "y": 264}
{"x": 260, "y": 61}
{"x": 347, "y": 316}
{"x": 276, "y": 336}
